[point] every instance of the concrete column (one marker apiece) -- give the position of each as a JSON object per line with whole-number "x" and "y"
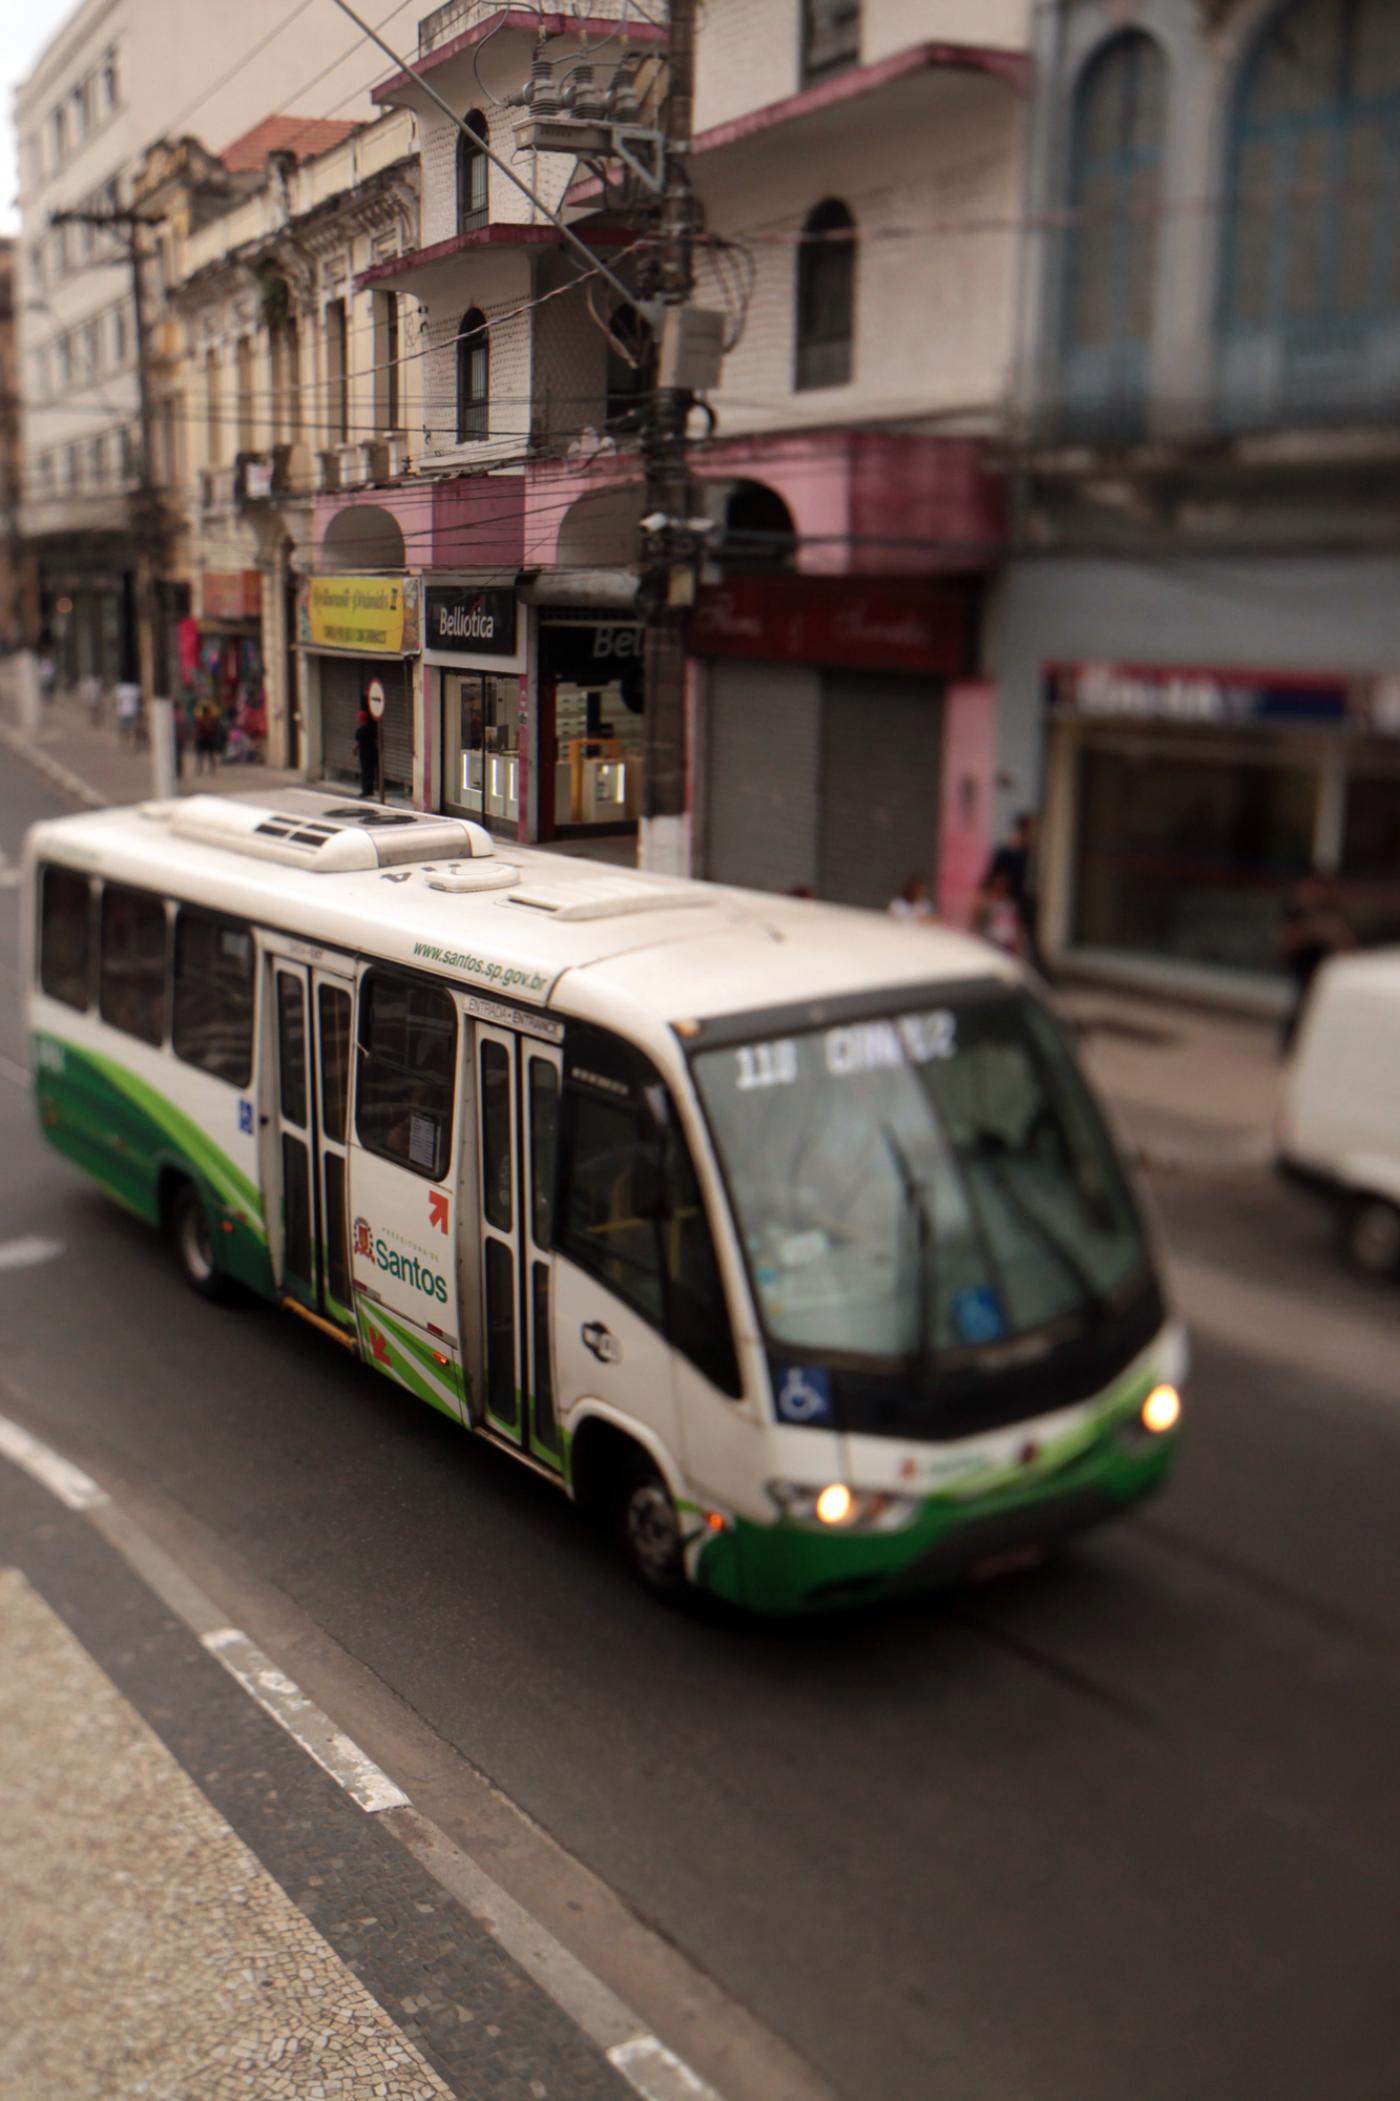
{"x": 274, "y": 646}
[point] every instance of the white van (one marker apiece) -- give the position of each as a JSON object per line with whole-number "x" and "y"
{"x": 1339, "y": 1124}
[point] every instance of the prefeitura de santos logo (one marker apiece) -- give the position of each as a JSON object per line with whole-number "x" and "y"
{"x": 373, "y": 1248}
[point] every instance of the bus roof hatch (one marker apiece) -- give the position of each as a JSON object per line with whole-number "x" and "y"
{"x": 321, "y": 831}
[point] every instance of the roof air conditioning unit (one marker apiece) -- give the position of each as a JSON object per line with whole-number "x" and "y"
{"x": 374, "y": 460}
{"x": 327, "y": 473}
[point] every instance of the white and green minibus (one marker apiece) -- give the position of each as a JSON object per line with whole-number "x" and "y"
{"x": 788, "y": 1237}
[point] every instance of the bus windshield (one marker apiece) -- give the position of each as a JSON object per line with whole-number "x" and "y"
{"x": 932, "y": 1182}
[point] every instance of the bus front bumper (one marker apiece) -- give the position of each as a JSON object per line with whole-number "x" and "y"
{"x": 794, "y": 1568}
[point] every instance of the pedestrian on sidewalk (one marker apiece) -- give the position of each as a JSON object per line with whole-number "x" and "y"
{"x": 1011, "y": 874}
{"x": 367, "y": 748}
{"x": 128, "y": 710}
{"x": 206, "y": 736}
{"x": 1312, "y": 926}
{"x": 914, "y": 902}
{"x": 995, "y": 916}
{"x": 90, "y": 688}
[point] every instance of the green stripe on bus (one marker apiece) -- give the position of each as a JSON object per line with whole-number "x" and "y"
{"x": 227, "y": 1181}
{"x": 400, "y": 1366}
{"x": 422, "y": 1351}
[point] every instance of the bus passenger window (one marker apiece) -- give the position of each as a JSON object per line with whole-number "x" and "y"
{"x": 609, "y": 1221}
{"x": 131, "y": 973}
{"x": 334, "y": 1008}
{"x": 543, "y": 1093}
{"x": 408, "y": 1063}
{"x": 630, "y": 1208}
{"x": 65, "y": 936}
{"x": 495, "y": 1135}
{"x": 212, "y": 1017}
{"x": 699, "y": 1318}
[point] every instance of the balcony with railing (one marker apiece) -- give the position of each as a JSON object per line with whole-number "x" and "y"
{"x": 457, "y": 17}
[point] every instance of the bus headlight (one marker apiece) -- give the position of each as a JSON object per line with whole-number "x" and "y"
{"x": 837, "y": 1508}
{"x": 1161, "y": 1411}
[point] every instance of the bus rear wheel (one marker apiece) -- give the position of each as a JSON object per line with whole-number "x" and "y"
{"x": 649, "y": 1532}
{"x": 192, "y": 1237}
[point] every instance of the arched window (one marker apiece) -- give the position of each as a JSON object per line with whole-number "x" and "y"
{"x": 473, "y": 376}
{"x": 1312, "y": 246}
{"x": 826, "y": 297}
{"x": 758, "y": 529}
{"x": 630, "y": 376}
{"x": 1111, "y": 246}
{"x": 472, "y": 165}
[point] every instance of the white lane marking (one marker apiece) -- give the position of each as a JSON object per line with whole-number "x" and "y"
{"x": 68, "y": 1482}
{"x": 643, "y": 2060}
{"x": 17, "y": 1075}
{"x": 646, "y": 2064}
{"x": 288, "y": 1705}
{"x": 26, "y": 1252}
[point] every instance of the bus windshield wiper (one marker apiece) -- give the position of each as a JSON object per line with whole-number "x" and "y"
{"x": 916, "y": 1207}
{"x": 987, "y": 1157}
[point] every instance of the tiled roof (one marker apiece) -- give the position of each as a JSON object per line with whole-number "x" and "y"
{"x": 303, "y": 136}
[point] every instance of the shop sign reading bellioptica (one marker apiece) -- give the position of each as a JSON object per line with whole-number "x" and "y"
{"x": 468, "y": 620}
{"x": 370, "y": 613}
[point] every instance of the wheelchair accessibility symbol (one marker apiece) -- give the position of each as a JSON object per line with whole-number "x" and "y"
{"x": 804, "y": 1395}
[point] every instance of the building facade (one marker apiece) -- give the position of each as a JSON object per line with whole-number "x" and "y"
{"x": 118, "y": 75}
{"x": 18, "y": 603}
{"x": 290, "y": 384}
{"x": 1198, "y": 639}
{"x": 859, "y": 171}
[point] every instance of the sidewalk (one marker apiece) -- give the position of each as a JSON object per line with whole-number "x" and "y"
{"x": 88, "y": 762}
{"x": 208, "y": 1892}
{"x": 1192, "y": 1090}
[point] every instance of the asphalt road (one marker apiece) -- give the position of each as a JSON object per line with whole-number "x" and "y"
{"x": 1123, "y": 1830}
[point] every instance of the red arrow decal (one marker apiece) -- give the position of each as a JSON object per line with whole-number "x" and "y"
{"x": 438, "y": 1209}
{"x": 379, "y": 1346}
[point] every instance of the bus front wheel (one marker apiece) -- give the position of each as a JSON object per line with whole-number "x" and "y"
{"x": 649, "y": 1531}
{"x": 192, "y": 1237}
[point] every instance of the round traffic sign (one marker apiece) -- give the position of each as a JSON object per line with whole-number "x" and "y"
{"x": 374, "y": 699}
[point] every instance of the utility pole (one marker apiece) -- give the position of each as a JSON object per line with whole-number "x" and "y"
{"x": 148, "y": 515}
{"x": 667, "y": 556}
{"x": 586, "y": 120}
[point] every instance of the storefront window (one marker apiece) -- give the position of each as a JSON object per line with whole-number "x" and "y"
{"x": 1186, "y": 855}
{"x": 1370, "y": 867}
{"x": 592, "y": 676}
{"x": 481, "y": 737}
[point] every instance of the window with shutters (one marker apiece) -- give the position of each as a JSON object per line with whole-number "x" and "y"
{"x": 473, "y": 377}
{"x": 1310, "y": 293}
{"x": 826, "y": 297}
{"x": 472, "y": 165}
{"x": 830, "y": 38}
{"x": 1110, "y": 257}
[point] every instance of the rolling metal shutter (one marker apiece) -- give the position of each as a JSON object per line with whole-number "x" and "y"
{"x": 344, "y": 683}
{"x": 880, "y": 745}
{"x": 340, "y": 705}
{"x": 762, "y": 743}
{"x": 396, "y": 729}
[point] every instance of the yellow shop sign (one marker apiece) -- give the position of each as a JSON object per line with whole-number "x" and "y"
{"x": 363, "y": 612}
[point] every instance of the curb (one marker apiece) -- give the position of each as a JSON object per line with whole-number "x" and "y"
{"x": 53, "y": 770}
{"x": 624, "y": 2037}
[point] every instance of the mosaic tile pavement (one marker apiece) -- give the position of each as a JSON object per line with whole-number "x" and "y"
{"x": 145, "y": 1951}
